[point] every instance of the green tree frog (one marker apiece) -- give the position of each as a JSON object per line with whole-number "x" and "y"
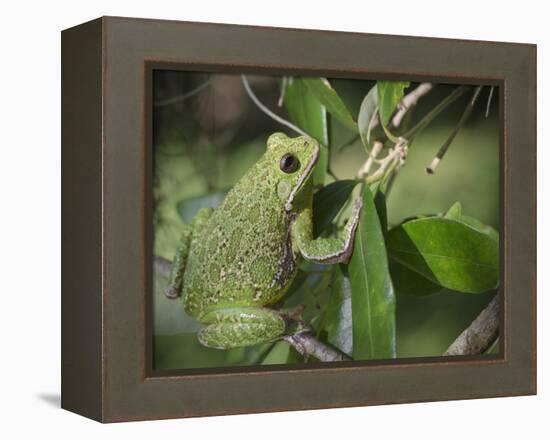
{"x": 234, "y": 261}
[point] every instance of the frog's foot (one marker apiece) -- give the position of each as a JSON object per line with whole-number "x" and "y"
{"x": 241, "y": 327}
{"x": 171, "y": 292}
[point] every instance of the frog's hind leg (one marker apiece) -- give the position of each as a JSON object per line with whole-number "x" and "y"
{"x": 241, "y": 327}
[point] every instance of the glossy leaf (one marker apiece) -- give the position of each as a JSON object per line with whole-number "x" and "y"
{"x": 389, "y": 95}
{"x": 455, "y": 213}
{"x": 372, "y": 293}
{"x": 381, "y": 209}
{"x": 309, "y": 290}
{"x": 479, "y": 226}
{"x": 323, "y": 91}
{"x": 328, "y": 202}
{"x": 367, "y": 115}
{"x": 447, "y": 252}
{"x": 338, "y": 319}
{"x": 307, "y": 112}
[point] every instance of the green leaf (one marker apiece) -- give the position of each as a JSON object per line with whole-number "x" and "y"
{"x": 323, "y": 91}
{"x": 328, "y": 202}
{"x": 372, "y": 293}
{"x": 188, "y": 208}
{"x": 479, "y": 226}
{"x": 408, "y": 282}
{"x": 381, "y": 210}
{"x": 307, "y": 112}
{"x": 389, "y": 95}
{"x": 447, "y": 252}
{"x": 338, "y": 319}
{"x": 455, "y": 213}
{"x": 367, "y": 114}
{"x": 309, "y": 289}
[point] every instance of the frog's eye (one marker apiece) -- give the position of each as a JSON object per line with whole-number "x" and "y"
{"x": 289, "y": 163}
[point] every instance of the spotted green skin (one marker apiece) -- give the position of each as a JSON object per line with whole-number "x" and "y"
{"x": 234, "y": 261}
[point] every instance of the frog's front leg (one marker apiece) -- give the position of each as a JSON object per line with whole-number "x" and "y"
{"x": 325, "y": 250}
{"x": 180, "y": 259}
{"x": 240, "y": 327}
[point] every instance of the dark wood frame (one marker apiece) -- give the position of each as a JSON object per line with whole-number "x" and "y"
{"x": 106, "y": 207}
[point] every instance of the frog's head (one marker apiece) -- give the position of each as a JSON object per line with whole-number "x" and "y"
{"x": 293, "y": 161}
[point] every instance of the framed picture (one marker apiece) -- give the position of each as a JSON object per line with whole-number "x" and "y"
{"x": 262, "y": 219}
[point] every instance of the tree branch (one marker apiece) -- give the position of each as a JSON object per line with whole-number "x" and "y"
{"x": 306, "y": 344}
{"x": 476, "y": 339}
{"x": 481, "y": 333}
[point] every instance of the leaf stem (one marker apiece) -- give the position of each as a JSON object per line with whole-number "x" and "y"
{"x": 452, "y": 97}
{"x": 268, "y": 112}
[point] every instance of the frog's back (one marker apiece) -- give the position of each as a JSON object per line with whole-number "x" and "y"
{"x": 243, "y": 255}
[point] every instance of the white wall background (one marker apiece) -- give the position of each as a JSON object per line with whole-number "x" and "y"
{"x": 30, "y": 218}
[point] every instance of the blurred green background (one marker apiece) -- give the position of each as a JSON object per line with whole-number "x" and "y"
{"x": 207, "y": 133}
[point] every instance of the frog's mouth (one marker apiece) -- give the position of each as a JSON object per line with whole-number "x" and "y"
{"x": 304, "y": 176}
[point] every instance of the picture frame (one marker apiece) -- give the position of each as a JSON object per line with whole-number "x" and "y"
{"x": 107, "y": 372}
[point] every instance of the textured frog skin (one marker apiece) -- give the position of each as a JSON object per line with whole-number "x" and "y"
{"x": 235, "y": 260}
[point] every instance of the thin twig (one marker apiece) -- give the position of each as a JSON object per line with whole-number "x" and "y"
{"x": 452, "y": 97}
{"x": 430, "y": 169}
{"x": 373, "y": 154}
{"x": 409, "y": 101}
{"x": 489, "y": 99}
{"x": 481, "y": 333}
{"x": 179, "y": 98}
{"x": 396, "y": 157}
{"x": 268, "y": 112}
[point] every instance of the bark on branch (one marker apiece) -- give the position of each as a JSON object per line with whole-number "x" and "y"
{"x": 481, "y": 333}
{"x": 306, "y": 344}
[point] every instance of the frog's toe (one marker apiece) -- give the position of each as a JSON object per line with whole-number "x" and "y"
{"x": 171, "y": 292}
